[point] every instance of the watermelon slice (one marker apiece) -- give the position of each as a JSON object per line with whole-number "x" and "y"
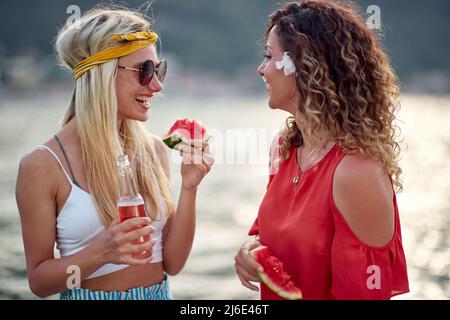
{"x": 274, "y": 276}
{"x": 185, "y": 131}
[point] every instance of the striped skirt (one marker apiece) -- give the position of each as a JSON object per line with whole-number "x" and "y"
{"x": 158, "y": 291}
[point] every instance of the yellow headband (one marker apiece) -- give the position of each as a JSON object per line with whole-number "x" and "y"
{"x": 133, "y": 42}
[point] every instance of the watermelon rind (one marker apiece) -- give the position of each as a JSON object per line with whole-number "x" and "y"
{"x": 174, "y": 139}
{"x": 282, "y": 292}
{"x": 287, "y": 290}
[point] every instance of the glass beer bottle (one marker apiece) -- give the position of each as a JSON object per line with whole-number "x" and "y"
{"x": 130, "y": 203}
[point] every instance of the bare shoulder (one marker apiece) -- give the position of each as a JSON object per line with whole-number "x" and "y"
{"x": 36, "y": 190}
{"x": 360, "y": 172}
{"x": 363, "y": 194}
{"x": 36, "y": 164}
{"x": 35, "y": 196}
{"x": 36, "y": 170}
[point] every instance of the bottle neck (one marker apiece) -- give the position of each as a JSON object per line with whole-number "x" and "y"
{"x": 126, "y": 183}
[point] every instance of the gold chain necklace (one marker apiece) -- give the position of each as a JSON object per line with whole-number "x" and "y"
{"x": 296, "y": 178}
{"x": 327, "y": 149}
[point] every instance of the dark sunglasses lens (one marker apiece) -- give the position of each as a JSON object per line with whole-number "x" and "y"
{"x": 162, "y": 69}
{"x": 146, "y": 73}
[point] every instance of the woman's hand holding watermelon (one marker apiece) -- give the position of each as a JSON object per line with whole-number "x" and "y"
{"x": 191, "y": 139}
{"x": 255, "y": 262}
{"x": 246, "y": 266}
{"x": 196, "y": 164}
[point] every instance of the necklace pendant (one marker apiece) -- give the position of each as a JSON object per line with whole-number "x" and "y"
{"x": 295, "y": 180}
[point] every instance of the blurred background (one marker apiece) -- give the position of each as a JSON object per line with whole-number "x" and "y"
{"x": 213, "y": 48}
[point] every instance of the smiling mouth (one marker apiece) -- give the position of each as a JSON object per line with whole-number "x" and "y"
{"x": 142, "y": 99}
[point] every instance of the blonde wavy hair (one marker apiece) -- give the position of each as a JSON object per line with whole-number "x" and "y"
{"x": 94, "y": 103}
{"x": 347, "y": 86}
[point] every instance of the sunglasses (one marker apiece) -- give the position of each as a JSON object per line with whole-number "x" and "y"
{"x": 148, "y": 69}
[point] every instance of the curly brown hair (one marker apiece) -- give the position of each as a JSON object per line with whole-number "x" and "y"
{"x": 347, "y": 86}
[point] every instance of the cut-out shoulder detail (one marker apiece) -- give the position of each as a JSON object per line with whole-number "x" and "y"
{"x": 304, "y": 229}
{"x": 363, "y": 195}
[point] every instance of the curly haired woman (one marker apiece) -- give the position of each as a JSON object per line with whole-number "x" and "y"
{"x": 330, "y": 212}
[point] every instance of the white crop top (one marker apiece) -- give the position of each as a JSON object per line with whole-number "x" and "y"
{"x": 78, "y": 224}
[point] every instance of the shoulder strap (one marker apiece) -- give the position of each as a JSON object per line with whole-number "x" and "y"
{"x": 57, "y": 159}
{"x": 67, "y": 159}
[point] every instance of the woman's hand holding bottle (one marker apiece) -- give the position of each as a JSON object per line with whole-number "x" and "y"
{"x": 114, "y": 244}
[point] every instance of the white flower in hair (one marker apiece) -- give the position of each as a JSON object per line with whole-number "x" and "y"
{"x": 287, "y": 64}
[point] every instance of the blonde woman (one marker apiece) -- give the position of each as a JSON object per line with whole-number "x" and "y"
{"x": 67, "y": 189}
{"x": 330, "y": 212}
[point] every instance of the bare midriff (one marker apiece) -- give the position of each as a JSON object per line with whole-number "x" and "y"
{"x": 128, "y": 278}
